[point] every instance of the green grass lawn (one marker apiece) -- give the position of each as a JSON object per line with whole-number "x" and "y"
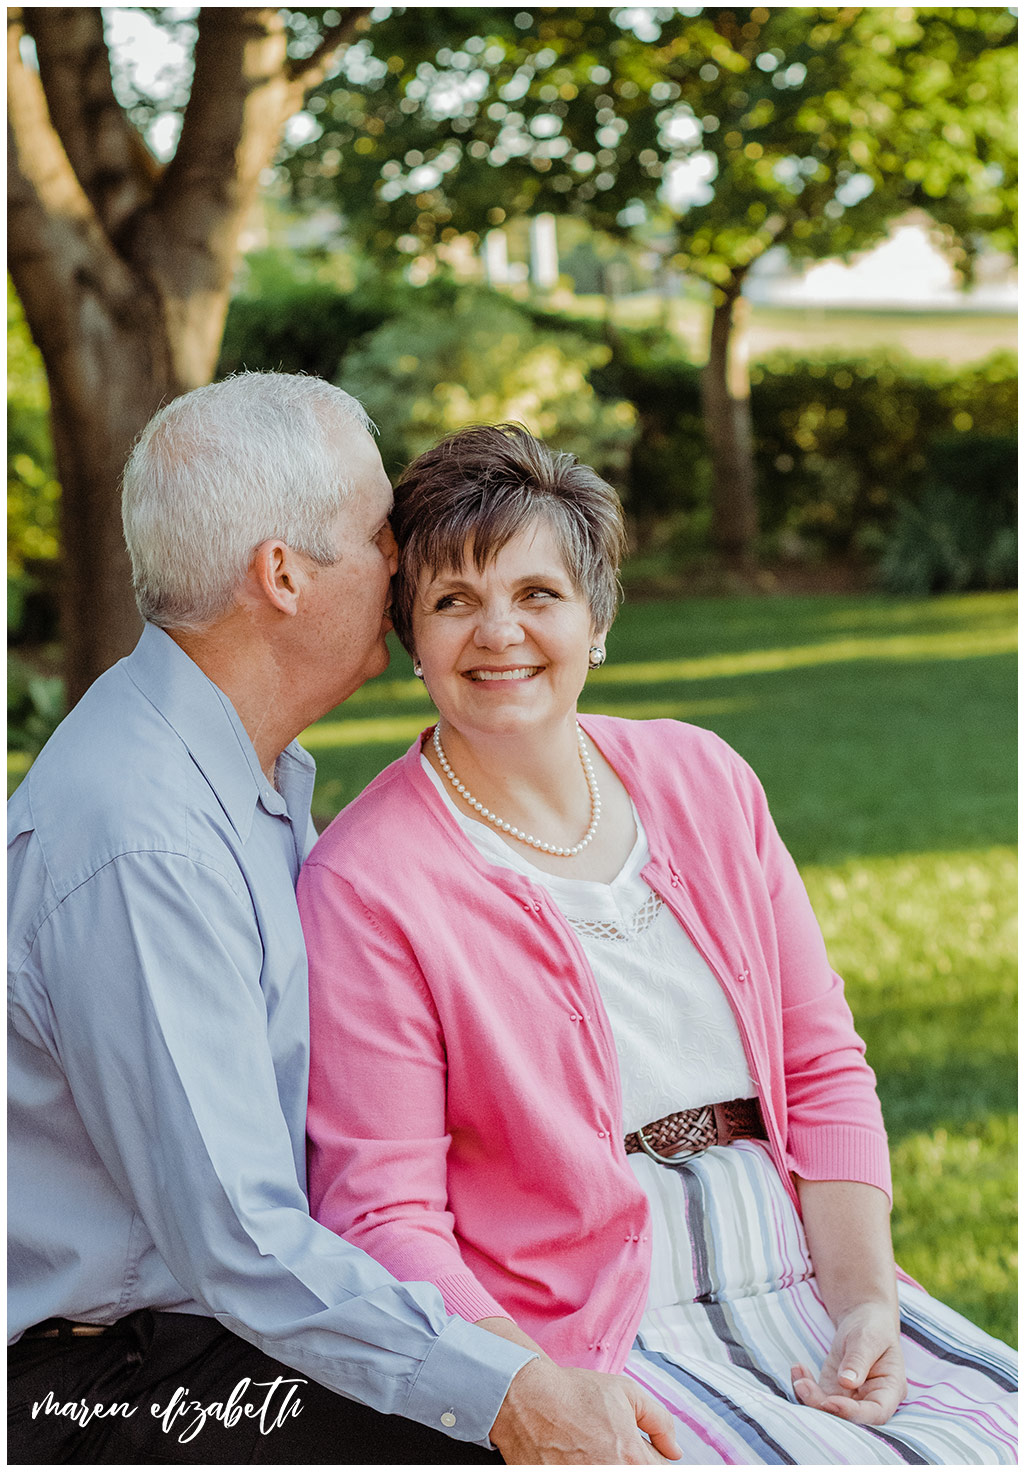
{"x": 884, "y": 733}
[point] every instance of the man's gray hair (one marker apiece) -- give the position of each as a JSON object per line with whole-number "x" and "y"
{"x": 222, "y": 469}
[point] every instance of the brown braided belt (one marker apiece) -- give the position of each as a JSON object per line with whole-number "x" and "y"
{"x": 677, "y": 1136}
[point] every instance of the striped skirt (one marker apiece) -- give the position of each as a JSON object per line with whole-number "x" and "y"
{"x": 733, "y": 1305}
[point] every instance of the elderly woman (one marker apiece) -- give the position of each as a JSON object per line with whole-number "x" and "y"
{"x": 578, "y": 1057}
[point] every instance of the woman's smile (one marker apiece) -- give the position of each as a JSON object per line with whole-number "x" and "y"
{"x": 520, "y": 673}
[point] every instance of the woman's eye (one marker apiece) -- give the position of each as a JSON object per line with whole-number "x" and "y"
{"x": 448, "y": 601}
{"x": 541, "y": 594}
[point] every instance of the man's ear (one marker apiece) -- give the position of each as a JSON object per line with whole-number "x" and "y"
{"x": 277, "y": 576}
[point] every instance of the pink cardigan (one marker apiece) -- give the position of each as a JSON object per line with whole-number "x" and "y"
{"x": 465, "y": 1102}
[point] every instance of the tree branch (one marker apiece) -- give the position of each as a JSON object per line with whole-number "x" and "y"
{"x": 107, "y": 154}
{"x": 54, "y": 236}
{"x": 238, "y": 102}
{"x": 243, "y": 91}
{"x": 311, "y": 70}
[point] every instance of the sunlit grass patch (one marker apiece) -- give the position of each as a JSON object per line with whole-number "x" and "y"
{"x": 955, "y": 1221}
{"x": 18, "y": 763}
{"x": 927, "y": 946}
{"x": 371, "y": 731}
{"x": 948, "y": 644}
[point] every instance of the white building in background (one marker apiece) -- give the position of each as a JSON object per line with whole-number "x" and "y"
{"x": 496, "y": 258}
{"x": 905, "y": 272}
{"x": 543, "y": 252}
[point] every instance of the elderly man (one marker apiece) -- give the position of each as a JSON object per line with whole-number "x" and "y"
{"x": 171, "y": 1299}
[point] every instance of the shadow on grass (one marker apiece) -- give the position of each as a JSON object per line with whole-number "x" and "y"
{"x": 919, "y": 1098}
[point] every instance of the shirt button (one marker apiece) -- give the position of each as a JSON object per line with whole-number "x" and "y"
{"x": 448, "y": 1419}
{"x": 743, "y": 976}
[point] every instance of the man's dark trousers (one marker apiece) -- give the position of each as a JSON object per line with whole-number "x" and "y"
{"x": 173, "y": 1373}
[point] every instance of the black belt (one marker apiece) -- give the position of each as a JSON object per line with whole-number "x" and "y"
{"x": 691, "y": 1131}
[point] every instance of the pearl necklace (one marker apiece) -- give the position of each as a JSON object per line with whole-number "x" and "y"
{"x": 547, "y": 848}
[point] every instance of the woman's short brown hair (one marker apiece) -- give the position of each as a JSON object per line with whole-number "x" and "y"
{"x": 485, "y": 486}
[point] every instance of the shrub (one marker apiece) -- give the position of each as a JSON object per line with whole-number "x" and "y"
{"x": 33, "y": 493}
{"x": 960, "y": 533}
{"x": 668, "y": 475}
{"x": 479, "y": 359}
{"x": 35, "y": 706}
{"x": 292, "y": 315}
{"x": 840, "y": 445}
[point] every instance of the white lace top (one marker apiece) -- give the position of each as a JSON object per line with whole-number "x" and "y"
{"x": 675, "y": 1033}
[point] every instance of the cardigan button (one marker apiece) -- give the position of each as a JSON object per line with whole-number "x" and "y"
{"x": 743, "y": 976}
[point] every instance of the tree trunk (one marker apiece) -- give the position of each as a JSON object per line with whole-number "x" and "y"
{"x": 123, "y": 267}
{"x": 99, "y": 404}
{"x": 108, "y": 373}
{"x": 725, "y": 396}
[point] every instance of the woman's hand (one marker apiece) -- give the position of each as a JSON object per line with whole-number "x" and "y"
{"x": 847, "y": 1226}
{"x": 863, "y": 1378}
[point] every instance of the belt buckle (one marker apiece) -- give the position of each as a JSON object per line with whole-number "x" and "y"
{"x": 707, "y": 1115}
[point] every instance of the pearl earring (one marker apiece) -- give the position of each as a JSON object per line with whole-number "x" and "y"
{"x": 417, "y": 670}
{"x": 597, "y": 656}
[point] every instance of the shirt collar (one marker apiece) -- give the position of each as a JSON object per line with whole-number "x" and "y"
{"x": 207, "y": 722}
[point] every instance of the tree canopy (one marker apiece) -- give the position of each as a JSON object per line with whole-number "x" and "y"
{"x": 732, "y": 128}
{"x": 727, "y": 131}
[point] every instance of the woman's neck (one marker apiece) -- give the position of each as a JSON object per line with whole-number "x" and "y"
{"x": 539, "y": 787}
{"x": 522, "y": 777}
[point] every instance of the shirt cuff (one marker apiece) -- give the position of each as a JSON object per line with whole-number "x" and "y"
{"x": 841, "y": 1153}
{"x": 463, "y": 1381}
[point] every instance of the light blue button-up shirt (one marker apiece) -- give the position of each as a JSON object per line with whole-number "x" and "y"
{"x": 158, "y": 1054}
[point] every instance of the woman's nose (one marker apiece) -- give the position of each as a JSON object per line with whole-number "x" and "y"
{"x": 497, "y": 628}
